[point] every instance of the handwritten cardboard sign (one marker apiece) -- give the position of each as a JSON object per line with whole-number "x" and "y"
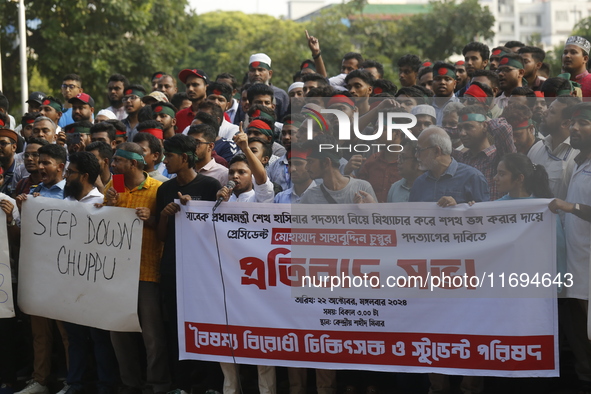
{"x": 80, "y": 264}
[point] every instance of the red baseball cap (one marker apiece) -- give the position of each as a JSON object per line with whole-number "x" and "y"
{"x": 183, "y": 75}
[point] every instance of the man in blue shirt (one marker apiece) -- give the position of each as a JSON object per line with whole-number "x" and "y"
{"x": 445, "y": 181}
{"x": 448, "y": 183}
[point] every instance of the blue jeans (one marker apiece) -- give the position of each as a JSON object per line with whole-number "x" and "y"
{"x": 78, "y": 350}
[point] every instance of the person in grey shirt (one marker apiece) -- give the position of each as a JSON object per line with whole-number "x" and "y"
{"x": 336, "y": 188}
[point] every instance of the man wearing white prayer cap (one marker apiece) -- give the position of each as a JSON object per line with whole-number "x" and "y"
{"x": 260, "y": 71}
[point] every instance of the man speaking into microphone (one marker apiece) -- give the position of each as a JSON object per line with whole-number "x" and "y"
{"x": 180, "y": 157}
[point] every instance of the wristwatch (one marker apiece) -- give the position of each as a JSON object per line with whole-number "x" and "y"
{"x": 11, "y": 224}
{"x": 576, "y": 208}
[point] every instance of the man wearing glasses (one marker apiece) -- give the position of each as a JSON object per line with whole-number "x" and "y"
{"x": 445, "y": 181}
{"x": 132, "y": 100}
{"x": 71, "y": 87}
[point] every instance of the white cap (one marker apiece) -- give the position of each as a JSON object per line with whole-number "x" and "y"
{"x": 260, "y": 57}
{"x": 108, "y": 113}
{"x": 295, "y": 85}
{"x": 424, "y": 109}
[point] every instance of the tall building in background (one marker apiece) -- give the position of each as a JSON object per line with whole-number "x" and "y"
{"x": 548, "y": 22}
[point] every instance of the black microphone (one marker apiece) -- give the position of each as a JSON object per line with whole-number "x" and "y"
{"x": 230, "y": 186}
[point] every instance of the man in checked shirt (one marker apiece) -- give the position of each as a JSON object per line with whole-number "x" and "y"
{"x": 474, "y": 128}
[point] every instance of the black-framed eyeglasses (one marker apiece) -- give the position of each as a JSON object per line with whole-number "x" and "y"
{"x": 133, "y": 97}
{"x": 203, "y": 142}
{"x": 4, "y": 143}
{"x": 419, "y": 150}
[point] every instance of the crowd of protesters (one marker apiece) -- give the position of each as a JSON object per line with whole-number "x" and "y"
{"x": 498, "y": 125}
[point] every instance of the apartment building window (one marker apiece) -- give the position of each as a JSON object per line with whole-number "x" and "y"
{"x": 505, "y": 6}
{"x": 506, "y": 27}
{"x": 561, "y": 16}
{"x": 530, "y": 20}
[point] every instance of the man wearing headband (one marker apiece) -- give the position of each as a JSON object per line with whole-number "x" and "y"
{"x": 495, "y": 57}
{"x": 179, "y": 158}
{"x": 132, "y": 99}
{"x": 444, "y": 84}
{"x": 323, "y": 161}
{"x": 474, "y": 127}
{"x": 78, "y": 136}
{"x": 260, "y": 71}
{"x": 575, "y": 59}
{"x": 165, "y": 114}
{"x": 71, "y": 87}
{"x": 425, "y": 78}
{"x": 27, "y": 124}
{"x": 140, "y": 194}
{"x": 116, "y": 87}
{"x": 52, "y": 108}
{"x": 555, "y": 152}
{"x": 266, "y": 114}
{"x": 461, "y": 75}
{"x": 519, "y": 116}
{"x": 300, "y": 179}
{"x": 149, "y": 137}
{"x": 510, "y": 73}
{"x": 220, "y": 94}
{"x": 155, "y": 78}
{"x": 577, "y": 231}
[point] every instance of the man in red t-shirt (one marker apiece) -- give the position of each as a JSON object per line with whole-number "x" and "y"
{"x": 196, "y": 82}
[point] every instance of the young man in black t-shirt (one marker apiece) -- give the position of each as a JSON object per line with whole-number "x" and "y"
{"x": 180, "y": 158}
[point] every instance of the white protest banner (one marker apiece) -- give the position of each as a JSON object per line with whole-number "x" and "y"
{"x": 6, "y": 302}
{"x": 387, "y": 287}
{"x": 80, "y": 264}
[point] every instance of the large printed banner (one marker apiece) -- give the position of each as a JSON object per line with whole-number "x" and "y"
{"x": 80, "y": 264}
{"x": 388, "y": 287}
{"x": 6, "y": 303}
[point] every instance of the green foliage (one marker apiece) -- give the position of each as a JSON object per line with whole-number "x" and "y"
{"x": 224, "y": 41}
{"x": 96, "y": 38}
{"x": 447, "y": 28}
{"x": 583, "y": 28}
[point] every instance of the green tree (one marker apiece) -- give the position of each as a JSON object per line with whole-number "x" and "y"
{"x": 447, "y": 28}
{"x": 224, "y": 41}
{"x": 96, "y": 38}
